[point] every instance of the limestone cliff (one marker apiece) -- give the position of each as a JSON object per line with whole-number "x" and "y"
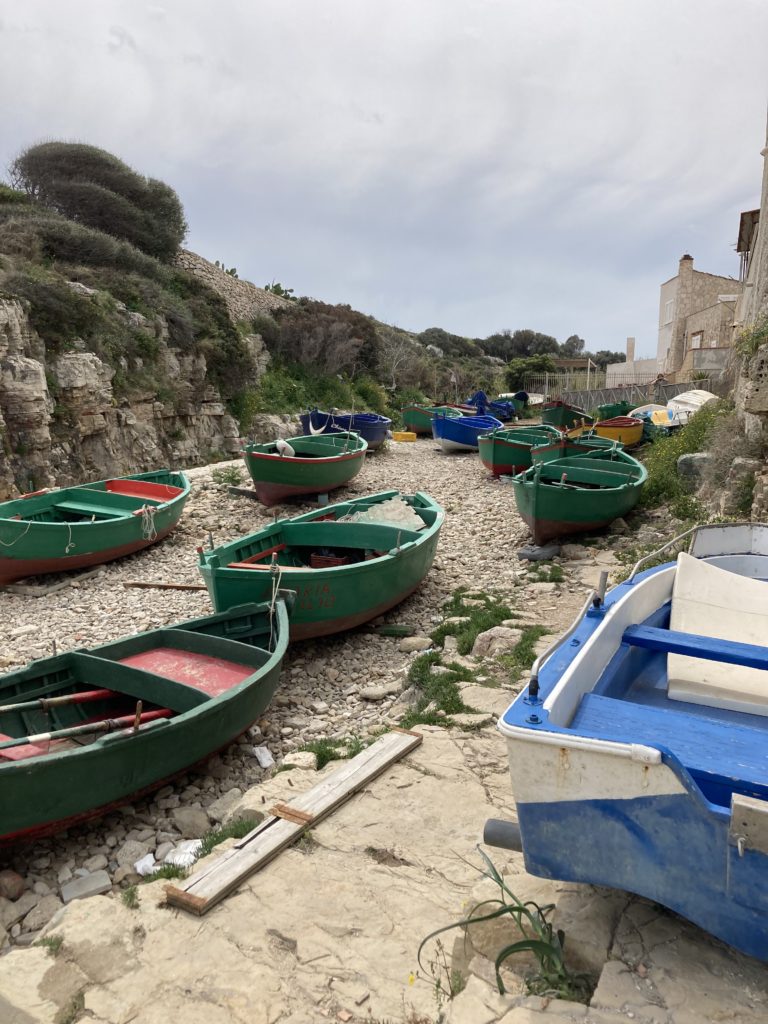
{"x": 62, "y": 422}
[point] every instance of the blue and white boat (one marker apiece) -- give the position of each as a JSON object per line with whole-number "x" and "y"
{"x": 505, "y": 409}
{"x": 460, "y": 434}
{"x": 639, "y": 749}
{"x": 373, "y": 428}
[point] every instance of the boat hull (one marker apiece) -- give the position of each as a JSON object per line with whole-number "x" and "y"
{"x": 41, "y": 795}
{"x": 505, "y": 453}
{"x": 418, "y": 418}
{"x": 552, "y": 510}
{"x": 277, "y": 478}
{"x": 461, "y": 435}
{"x": 561, "y": 414}
{"x": 333, "y": 599}
{"x": 32, "y": 548}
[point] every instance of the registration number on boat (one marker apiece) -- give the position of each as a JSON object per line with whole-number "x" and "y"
{"x": 316, "y": 595}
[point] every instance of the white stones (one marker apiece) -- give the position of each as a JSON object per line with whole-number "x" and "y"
{"x": 377, "y": 693}
{"x": 304, "y": 760}
{"x": 219, "y": 810}
{"x": 131, "y": 851}
{"x": 409, "y": 644}
{"x": 28, "y": 630}
{"x": 91, "y": 885}
{"x": 42, "y": 913}
{"x": 96, "y": 863}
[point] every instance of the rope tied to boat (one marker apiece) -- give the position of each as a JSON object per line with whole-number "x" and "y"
{"x": 148, "y": 513}
{"x": 70, "y": 543}
{"x": 9, "y": 544}
{"x": 275, "y": 574}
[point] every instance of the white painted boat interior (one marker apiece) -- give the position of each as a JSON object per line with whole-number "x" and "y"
{"x": 712, "y": 601}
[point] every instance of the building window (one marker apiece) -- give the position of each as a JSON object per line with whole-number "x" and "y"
{"x": 696, "y": 339}
{"x": 669, "y": 311}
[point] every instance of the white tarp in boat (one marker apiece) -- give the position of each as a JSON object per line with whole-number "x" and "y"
{"x": 713, "y": 602}
{"x": 683, "y": 406}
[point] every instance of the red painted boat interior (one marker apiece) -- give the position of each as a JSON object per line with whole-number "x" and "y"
{"x": 248, "y": 563}
{"x": 20, "y": 753}
{"x": 143, "y": 489}
{"x": 210, "y": 675}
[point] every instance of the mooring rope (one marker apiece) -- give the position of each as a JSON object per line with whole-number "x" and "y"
{"x": 148, "y": 513}
{"x": 10, "y": 544}
{"x": 276, "y": 575}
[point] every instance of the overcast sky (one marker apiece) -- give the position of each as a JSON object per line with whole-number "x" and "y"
{"x": 469, "y": 164}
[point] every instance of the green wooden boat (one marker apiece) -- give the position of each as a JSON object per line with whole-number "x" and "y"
{"x": 418, "y": 418}
{"x": 508, "y": 450}
{"x": 564, "y": 415}
{"x": 319, "y": 463}
{"x": 74, "y": 527}
{"x": 578, "y": 493}
{"x": 564, "y": 445}
{"x": 607, "y": 412}
{"x": 347, "y": 563}
{"x": 86, "y": 730}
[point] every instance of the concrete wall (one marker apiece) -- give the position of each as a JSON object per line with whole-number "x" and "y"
{"x": 639, "y": 371}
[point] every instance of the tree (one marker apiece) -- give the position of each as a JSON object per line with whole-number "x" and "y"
{"x": 572, "y": 346}
{"x": 518, "y": 369}
{"x": 519, "y": 344}
{"x": 604, "y": 357}
{"x": 95, "y": 188}
{"x": 400, "y": 357}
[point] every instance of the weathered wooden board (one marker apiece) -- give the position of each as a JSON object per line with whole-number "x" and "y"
{"x": 142, "y": 585}
{"x": 205, "y": 888}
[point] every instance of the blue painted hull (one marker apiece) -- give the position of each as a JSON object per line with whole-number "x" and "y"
{"x": 370, "y": 426}
{"x": 617, "y": 782}
{"x": 461, "y": 434}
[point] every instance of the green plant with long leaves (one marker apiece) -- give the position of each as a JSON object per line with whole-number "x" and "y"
{"x": 539, "y": 937}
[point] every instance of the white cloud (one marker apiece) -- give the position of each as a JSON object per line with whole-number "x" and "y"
{"x": 454, "y": 162}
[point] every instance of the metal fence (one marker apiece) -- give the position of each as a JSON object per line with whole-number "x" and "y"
{"x": 553, "y": 386}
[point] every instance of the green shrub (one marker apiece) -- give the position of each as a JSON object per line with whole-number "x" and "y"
{"x": 95, "y": 188}
{"x": 12, "y": 196}
{"x": 57, "y": 313}
{"x": 664, "y": 485}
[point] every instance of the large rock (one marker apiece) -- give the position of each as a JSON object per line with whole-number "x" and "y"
{"x": 11, "y": 884}
{"x": 130, "y": 852}
{"x": 692, "y": 468}
{"x": 220, "y": 809}
{"x": 42, "y": 913}
{"x": 191, "y": 821}
{"x": 495, "y": 641}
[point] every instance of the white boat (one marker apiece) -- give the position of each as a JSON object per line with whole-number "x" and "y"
{"x": 683, "y": 406}
{"x": 639, "y": 749}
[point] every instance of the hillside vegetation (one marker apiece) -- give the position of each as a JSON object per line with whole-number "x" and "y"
{"x": 89, "y": 244}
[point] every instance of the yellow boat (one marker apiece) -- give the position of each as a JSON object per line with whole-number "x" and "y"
{"x": 627, "y": 430}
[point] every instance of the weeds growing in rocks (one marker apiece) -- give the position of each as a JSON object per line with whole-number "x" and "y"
{"x": 552, "y": 977}
{"x": 230, "y": 475}
{"x": 167, "y": 871}
{"x": 234, "y": 830}
{"x": 524, "y": 654}
{"x": 51, "y": 943}
{"x": 480, "y": 612}
{"x": 334, "y": 750}
{"x": 546, "y": 573}
{"x": 130, "y": 897}
{"x": 74, "y": 1008}
{"x": 440, "y": 694}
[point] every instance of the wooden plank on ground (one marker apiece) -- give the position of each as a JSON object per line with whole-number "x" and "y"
{"x": 207, "y": 887}
{"x": 164, "y": 586}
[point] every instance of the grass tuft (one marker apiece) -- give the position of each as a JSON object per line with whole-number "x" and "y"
{"x": 234, "y": 830}
{"x": 130, "y": 897}
{"x": 167, "y": 871}
{"x": 51, "y": 943}
{"x": 335, "y": 750}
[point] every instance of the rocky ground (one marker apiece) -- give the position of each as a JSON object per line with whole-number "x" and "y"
{"x": 333, "y": 935}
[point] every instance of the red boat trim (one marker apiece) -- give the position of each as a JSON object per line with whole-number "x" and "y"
{"x": 17, "y": 568}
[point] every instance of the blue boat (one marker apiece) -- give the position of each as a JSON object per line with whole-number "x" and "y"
{"x": 460, "y": 434}
{"x": 639, "y": 748}
{"x": 369, "y": 425}
{"x": 505, "y": 409}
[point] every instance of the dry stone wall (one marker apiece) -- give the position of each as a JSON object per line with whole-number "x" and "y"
{"x": 244, "y": 300}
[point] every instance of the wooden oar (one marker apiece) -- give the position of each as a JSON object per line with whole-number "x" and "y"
{"x": 43, "y": 703}
{"x": 107, "y": 725}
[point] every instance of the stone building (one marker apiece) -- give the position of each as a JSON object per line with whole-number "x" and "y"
{"x": 696, "y": 316}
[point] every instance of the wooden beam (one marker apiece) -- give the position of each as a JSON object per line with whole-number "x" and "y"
{"x": 212, "y": 883}
{"x": 164, "y": 586}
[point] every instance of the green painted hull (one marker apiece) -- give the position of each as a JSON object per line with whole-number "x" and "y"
{"x": 506, "y": 452}
{"x": 43, "y": 794}
{"x": 322, "y": 462}
{"x": 597, "y": 488}
{"x": 418, "y": 418}
{"x": 393, "y": 561}
{"x": 561, "y": 414}
{"x": 75, "y": 527}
